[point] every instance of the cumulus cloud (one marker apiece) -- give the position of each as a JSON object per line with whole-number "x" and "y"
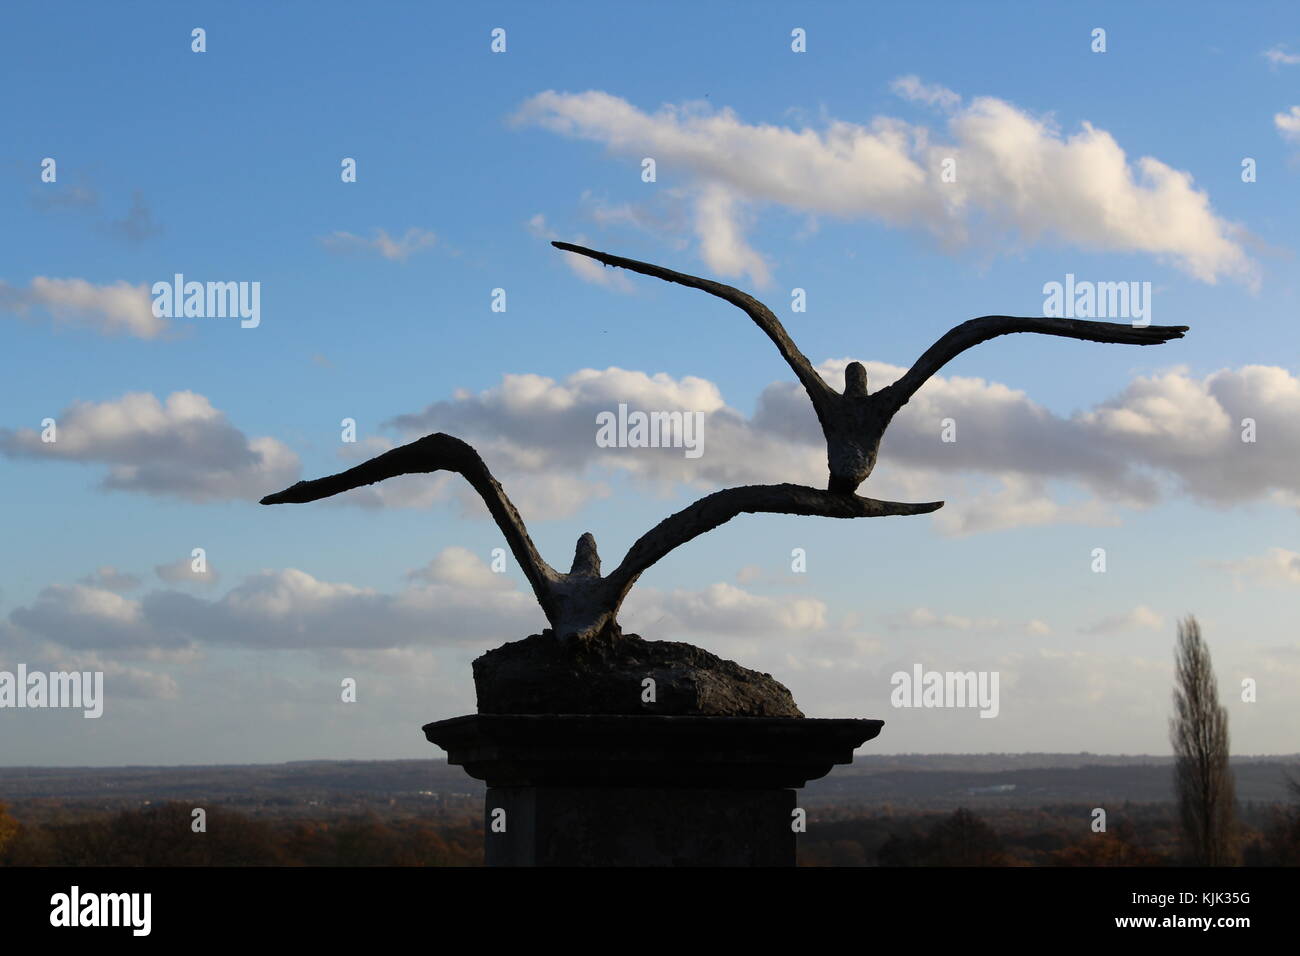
{"x": 1278, "y": 56}
{"x": 79, "y": 616}
{"x": 542, "y": 493}
{"x": 1057, "y": 699}
{"x": 721, "y": 231}
{"x": 1139, "y": 618}
{"x": 1163, "y": 434}
{"x": 181, "y": 447}
{"x": 912, "y": 88}
{"x": 111, "y": 309}
{"x": 1229, "y": 437}
{"x": 663, "y": 215}
{"x": 121, "y": 679}
{"x": 110, "y": 578}
{"x": 292, "y": 609}
{"x": 924, "y": 619}
{"x": 394, "y": 249}
{"x": 1277, "y": 566}
{"x": 181, "y": 571}
{"x": 1014, "y": 463}
{"x": 456, "y": 599}
{"x": 457, "y": 566}
{"x": 1288, "y": 124}
{"x": 720, "y": 608}
{"x": 1015, "y": 171}
{"x": 543, "y": 431}
{"x": 1015, "y": 501}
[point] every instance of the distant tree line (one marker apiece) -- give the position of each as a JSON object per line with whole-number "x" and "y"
{"x": 1140, "y": 835}
{"x": 162, "y": 836}
{"x": 1143, "y": 835}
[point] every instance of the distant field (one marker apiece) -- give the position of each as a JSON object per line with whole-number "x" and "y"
{"x": 1016, "y": 810}
{"x": 913, "y": 781}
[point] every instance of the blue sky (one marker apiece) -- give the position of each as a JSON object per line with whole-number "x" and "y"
{"x": 774, "y": 170}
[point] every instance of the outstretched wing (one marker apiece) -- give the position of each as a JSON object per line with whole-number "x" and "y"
{"x": 437, "y": 452}
{"x": 721, "y": 506}
{"x": 972, "y": 333}
{"x": 820, "y": 393}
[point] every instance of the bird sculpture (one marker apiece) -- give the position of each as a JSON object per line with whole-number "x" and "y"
{"x": 582, "y": 603}
{"x": 854, "y": 422}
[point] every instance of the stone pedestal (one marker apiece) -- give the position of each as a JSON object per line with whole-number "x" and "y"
{"x": 578, "y": 790}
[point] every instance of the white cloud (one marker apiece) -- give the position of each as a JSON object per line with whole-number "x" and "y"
{"x": 1277, "y": 56}
{"x": 922, "y": 619}
{"x": 79, "y": 616}
{"x": 180, "y": 447}
{"x": 456, "y": 599}
{"x": 1277, "y": 566}
{"x": 121, "y": 679}
{"x": 1014, "y": 464}
{"x": 911, "y": 88}
{"x": 1164, "y": 433}
{"x": 1288, "y": 123}
{"x": 110, "y": 578}
{"x": 538, "y": 437}
{"x": 291, "y": 609}
{"x": 1140, "y": 617}
{"x": 1193, "y": 429}
{"x": 460, "y": 567}
{"x": 1014, "y": 171}
{"x": 397, "y": 249}
{"x": 181, "y": 571}
{"x": 720, "y": 608}
{"x": 722, "y": 236}
{"x": 664, "y": 215}
{"x": 1017, "y": 501}
{"x": 117, "y": 308}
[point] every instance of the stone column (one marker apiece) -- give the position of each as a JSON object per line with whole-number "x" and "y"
{"x": 606, "y": 790}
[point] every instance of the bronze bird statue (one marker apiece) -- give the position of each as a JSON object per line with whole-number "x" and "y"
{"x": 582, "y": 603}
{"x": 854, "y": 422}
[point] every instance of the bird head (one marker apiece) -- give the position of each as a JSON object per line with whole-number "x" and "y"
{"x": 855, "y": 379}
{"x": 586, "y": 560}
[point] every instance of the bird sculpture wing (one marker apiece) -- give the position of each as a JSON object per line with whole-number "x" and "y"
{"x": 972, "y": 333}
{"x": 720, "y": 507}
{"x": 442, "y": 452}
{"x": 820, "y": 393}
{"x": 438, "y": 452}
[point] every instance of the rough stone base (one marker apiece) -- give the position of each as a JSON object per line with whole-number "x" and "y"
{"x": 607, "y": 674}
{"x": 635, "y": 826}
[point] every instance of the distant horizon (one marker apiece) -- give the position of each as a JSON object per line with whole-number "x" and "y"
{"x": 859, "y": 755}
